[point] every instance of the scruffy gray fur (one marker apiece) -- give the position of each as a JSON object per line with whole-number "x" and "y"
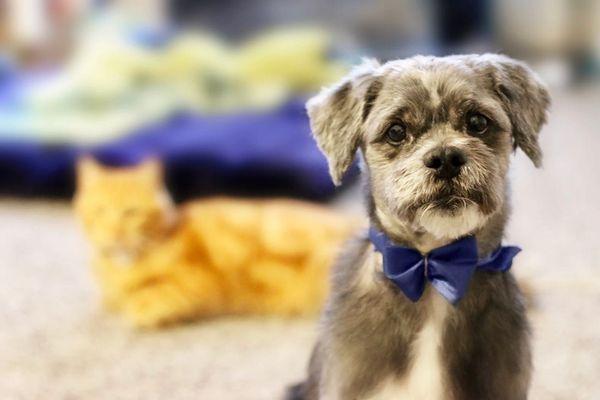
{"x": 369, "y": 328}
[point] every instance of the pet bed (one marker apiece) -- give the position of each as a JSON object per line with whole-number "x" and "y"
{"x": 267, "y": 153}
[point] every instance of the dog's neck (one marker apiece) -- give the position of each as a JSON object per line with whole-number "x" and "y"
{"x": 489, "y": 235}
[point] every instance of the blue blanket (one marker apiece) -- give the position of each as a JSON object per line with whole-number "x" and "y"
{"x": 252, "y": 154}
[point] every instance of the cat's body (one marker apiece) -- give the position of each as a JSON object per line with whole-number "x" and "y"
{"x": 158, "y": 264}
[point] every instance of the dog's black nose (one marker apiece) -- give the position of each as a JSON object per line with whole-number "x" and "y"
{"x": 446, "y": 161}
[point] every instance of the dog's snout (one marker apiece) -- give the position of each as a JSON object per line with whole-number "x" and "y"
{"x": 446, "y": 162}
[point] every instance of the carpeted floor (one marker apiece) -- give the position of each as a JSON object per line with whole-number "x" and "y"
{"x": 57, "y": 343}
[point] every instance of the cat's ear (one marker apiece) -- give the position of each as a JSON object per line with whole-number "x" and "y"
{"x": 87, "y": 169}
{"x": 151, "y": 169}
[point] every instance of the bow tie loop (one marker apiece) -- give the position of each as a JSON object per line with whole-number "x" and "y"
{"x": 449, "y": 268}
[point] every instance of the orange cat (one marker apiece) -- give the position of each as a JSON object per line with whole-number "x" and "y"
{"x": 158, "y": 264}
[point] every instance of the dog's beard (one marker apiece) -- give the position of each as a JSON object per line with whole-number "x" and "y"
{"x": 458, "y": 222}
{"x": 446, "y": 209}
{"x": 451, "y": 209}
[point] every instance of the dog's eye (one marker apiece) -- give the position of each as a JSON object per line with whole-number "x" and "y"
{"x": 395, "y": 134}
{"x": 477, "y": 124}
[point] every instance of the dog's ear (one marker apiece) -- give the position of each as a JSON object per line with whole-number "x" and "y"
{"x": 526, "y": 101}
{"x": 337, "y": 116}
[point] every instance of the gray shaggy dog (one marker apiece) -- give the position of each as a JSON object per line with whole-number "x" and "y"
{"x": 435, "y": 137}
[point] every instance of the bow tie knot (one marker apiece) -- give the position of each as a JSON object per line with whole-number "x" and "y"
{"x": 448, "y": 268}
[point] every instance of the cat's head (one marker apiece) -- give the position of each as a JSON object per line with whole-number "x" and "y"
{"x": 123, "y": 210}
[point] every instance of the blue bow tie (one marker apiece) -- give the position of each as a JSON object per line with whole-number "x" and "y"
{"x": 448, "y": 268}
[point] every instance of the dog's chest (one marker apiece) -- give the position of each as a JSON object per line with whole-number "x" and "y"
{"x": 424, "y": 378}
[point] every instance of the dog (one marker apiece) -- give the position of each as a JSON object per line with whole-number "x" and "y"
{"x": 435, "y": 136}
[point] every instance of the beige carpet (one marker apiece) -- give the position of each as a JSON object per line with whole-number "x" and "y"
{"x": 57, "y": 343}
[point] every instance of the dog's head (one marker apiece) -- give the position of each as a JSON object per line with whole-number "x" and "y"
{"x": 435, "y": 135}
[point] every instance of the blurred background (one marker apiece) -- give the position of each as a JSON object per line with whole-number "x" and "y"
{"x": 215, "y": 90}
